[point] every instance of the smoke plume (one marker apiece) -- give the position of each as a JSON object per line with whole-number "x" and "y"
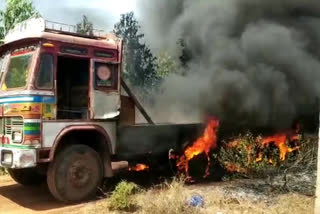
{"x": 252, "y": 60}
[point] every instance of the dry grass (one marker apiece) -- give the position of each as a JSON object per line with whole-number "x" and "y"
{"x": 170, "y": 198}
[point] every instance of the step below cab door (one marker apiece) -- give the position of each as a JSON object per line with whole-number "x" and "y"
{"x": 104, "y": 90}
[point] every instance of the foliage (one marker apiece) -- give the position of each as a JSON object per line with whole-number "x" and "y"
{"x": 139, "y": 63}
{"x": 85, "y": 26}
{"x": 166, "y": 65}
{"x": 239, "y": 157}
{"x": 307, "y": 155}
{"x": 121, "y": 198}
{"x": 16, "y": 11}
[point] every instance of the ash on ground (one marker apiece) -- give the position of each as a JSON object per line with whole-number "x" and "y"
{"x": 266, "y": 190}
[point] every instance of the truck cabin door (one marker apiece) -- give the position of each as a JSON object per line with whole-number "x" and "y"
{"x": 104, "y": 90}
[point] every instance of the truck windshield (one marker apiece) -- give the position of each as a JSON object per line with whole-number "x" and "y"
{"x": 17, "y": 74}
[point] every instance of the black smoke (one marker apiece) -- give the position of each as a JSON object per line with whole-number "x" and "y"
{"x": 252, "y": 60}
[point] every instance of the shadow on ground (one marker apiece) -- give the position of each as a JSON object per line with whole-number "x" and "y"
{"x": 150, "y": 178}
{"x": 37, "y": 198}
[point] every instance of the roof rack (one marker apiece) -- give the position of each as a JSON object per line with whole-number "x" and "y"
{"x": 62, "y": 28}
{"x": 31, "y": 26}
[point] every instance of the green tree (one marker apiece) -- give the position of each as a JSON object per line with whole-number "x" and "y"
{"x": 140, "y": 67}
{"x": 166, "y": 65}
{"x": 15, "y": 11}
{"x": 85, "y": 26}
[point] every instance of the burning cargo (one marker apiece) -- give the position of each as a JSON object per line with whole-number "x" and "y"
{"x": 284, "y": 143}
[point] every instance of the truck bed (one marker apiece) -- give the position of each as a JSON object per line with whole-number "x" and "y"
{"x": 154, "y": 140}
{"x": 139, "y": 142}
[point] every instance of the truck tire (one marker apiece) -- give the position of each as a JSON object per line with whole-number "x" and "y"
{"x": 27, "y": 177}
{"x": 75, "y": 174}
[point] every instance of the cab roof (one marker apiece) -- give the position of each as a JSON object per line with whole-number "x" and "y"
{"x": 40, "y": 29}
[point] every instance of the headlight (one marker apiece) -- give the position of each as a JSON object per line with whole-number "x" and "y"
{"x": 17, "y": 136}
{"x": 6, "y": 158}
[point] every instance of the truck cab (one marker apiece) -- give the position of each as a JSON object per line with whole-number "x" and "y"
{"x": 63, "y": 116}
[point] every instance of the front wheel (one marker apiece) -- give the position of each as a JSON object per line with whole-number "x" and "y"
{"x": 75, "y": 174}
{"x": 27, "y": 176}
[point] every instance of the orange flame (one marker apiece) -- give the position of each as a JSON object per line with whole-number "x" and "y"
{"x": 280, "y": 141}
{"x": 139, "y": 167}
{"x": 203, "y": 145}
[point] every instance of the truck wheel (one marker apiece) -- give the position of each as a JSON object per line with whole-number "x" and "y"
{"x": 75, "y": 174}
{"x": 27, "y": 176}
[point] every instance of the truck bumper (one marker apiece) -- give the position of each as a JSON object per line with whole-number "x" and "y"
{"x": 17, "y": 158}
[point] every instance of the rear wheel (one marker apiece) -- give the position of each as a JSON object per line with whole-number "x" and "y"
{"x": 75, "y": 174}
{"x": 27, "y": 177}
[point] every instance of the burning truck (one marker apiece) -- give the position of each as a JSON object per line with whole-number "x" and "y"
{"x": 67, "y": 116}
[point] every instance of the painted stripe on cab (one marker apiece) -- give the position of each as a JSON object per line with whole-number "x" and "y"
{"x": 34, "y": 99}
{"x": 37, "y": 132}
{"x": 32, "y": 121}
{"x": 32, "y": 128}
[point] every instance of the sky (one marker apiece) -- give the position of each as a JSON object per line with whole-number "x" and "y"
{"x": 103, "y": 13}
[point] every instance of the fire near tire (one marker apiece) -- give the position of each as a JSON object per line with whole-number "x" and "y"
{"x": 27, "y": 177}
{"x": 75, "y": 174}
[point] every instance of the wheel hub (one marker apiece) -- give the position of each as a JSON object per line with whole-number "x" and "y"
{"x": 79, "y": 174}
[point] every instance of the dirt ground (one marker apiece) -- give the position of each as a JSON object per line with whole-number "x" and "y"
{"x": 238, "y": 196}
{"x": 15, "y": 199}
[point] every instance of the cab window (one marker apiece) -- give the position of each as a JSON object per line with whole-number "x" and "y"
{"x": 45, "y": 72}
{"x": 17, "y": 74}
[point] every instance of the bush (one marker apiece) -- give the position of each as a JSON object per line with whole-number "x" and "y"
{"x": 3, "y": 171}
{"x": 121, "y": 198}
{"x": 240, "y": 154}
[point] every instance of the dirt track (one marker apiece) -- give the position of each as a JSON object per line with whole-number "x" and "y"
{"x": 15, "y": 198}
